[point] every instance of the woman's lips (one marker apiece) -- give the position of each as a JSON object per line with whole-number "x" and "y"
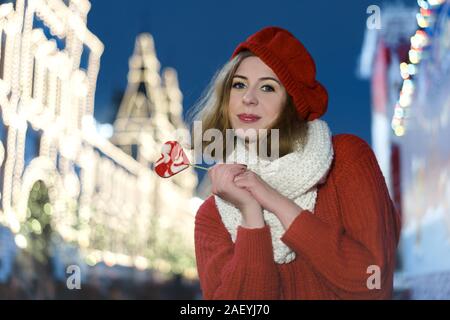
{"x": 248, "y": 118}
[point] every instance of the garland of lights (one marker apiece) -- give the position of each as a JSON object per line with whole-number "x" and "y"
{"x": 43, "y": 88}
{"x": 419, "y": 42}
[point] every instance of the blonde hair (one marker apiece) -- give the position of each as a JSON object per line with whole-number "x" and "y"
{"x": 212, "y": 110}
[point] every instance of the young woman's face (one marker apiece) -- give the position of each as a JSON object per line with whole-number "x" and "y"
{"x": 257, "y": 96}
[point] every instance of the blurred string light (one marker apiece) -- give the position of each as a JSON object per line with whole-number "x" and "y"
{"x": 408, "y": 70}
{"x": 106, "y": 207}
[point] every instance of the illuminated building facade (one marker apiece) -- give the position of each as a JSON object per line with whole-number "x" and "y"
{"x": 101, "y": 197}
{"x": 408, "y": 63}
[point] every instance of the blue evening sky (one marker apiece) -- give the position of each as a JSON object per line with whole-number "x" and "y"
{"x": 197, "y": 37}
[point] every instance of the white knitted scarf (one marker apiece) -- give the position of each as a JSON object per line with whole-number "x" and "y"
{"x": 295, "y": 175}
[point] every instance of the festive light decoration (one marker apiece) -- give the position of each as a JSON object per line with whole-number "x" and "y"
{"x": 102, "y": 199}
{"x": 419, "y": 42}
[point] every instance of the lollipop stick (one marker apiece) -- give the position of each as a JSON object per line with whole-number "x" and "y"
{"x": 199, "y": 167}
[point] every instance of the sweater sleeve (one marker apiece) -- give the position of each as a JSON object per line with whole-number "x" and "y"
{"x": 241, "y": 270}
{"x": 344, "y": 255}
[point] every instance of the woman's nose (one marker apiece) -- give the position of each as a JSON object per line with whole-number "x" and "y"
{"x": 250, "y": 98}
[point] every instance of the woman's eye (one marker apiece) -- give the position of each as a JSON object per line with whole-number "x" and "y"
{"x": 267, "y": 88}
{"x": 238, "y": 85}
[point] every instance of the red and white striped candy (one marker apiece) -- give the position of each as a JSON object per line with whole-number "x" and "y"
{"x": 173, "y": 160}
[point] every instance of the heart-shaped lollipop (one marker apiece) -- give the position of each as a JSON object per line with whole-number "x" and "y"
{"x": 173, "y": 160}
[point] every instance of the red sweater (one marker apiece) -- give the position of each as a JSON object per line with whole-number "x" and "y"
{"x": 353, "y": 227}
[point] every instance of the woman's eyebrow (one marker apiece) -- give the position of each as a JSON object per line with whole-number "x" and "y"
{"x": 263, "y": 78}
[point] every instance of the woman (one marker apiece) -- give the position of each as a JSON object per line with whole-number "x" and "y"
{"x": 316, "y": 223}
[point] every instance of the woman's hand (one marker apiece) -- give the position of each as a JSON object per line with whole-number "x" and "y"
{"x": 266, "y": 196}
{"x": 222, "y": 184}
{"x": 270, "y": 199}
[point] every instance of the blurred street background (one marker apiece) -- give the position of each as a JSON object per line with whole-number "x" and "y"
{"x": 90, "y": 90}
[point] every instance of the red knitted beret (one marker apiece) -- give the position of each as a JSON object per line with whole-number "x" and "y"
{"x": 293, "y": 65}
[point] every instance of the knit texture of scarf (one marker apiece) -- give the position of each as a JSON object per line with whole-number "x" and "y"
{"x": 295, "y": 175}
